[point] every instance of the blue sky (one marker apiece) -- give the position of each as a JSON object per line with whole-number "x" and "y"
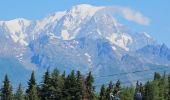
{"x": 158, "y": 12}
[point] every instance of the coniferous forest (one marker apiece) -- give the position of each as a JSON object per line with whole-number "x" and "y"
{"x": 75, "y": 86}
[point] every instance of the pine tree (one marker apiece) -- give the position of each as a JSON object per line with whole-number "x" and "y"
{"x": 117, "y": 87}
{"x": 89, "y": 85}
{"x": 32, "y": 92}
{"x": 109, "y": 90}
{"x": 6, "y": 89}
{"x": 154, "y": 91}
{"x": 19, "y": 93}
{"x": 102, "y": 93}
{"x": 169, "y": 86}
{"x": 57, "y": 84}
{"x": 162, "y": 87}
{"x": 45, "y": 87}
{"x": 146, "y": 91}
{"x": 79, "y": 88}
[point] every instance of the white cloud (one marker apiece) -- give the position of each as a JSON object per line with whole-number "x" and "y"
{"x": 135, "y": 16}
{"x": 128, "y": 14}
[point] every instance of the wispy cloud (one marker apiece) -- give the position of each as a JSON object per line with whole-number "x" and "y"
{"x": 129, "y": 14}
{"x": 135, "y": 16}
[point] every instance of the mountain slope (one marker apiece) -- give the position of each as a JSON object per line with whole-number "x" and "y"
{"x": 85, "y": 38}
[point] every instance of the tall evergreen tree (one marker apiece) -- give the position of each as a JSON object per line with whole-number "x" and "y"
{"x": 31, "y": 82}
{"x": 70, "y": 86}
{"x": 6, "y": 89}
{"x": 117, "y": 87}
{"x": 154, "y": 91}
{"x": 45, "y": 87}
{"x": 169, "y": 86}
{"x": 102, "y": 93}
{"x": 19, "y": 93}
{"x": 146, "y": 91}
{"x": 109, "y": 90}
{"x": 57, "y": 84}
{"x": 89, "y": 85}
{"x": 79, "y": 88}
{"x": 32, "y": 92}
{"x": 162, "y": 87}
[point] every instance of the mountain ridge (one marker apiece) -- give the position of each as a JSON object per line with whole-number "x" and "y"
{"x": 81, "y": 38}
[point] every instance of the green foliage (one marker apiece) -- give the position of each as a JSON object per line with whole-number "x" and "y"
{"x": 102, "y": 93}
{"x": 89, "y": 85}
{"x": 117, "y": 87}
{"x": 56, "y": 85}
{"x": 70, "y": 86}
{"x": 109, "y": 90}
{"x": 127, "y": 93}
{"x": 46, "y": 86}
{"x": 75, "y": 86}
{"x": 19, "y": 93}
{"x": 6, "y": 89}
{"x": 79, "y": 86}
{"x": 157, "y": 76}
{"x": 168, "y": 87}
{"x": 32, "y": 92}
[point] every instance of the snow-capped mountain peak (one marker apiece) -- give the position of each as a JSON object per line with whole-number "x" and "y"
{"x": 16, "y": 25}
{"x": 84, "y": 10}
{"x": 16, "y": 29}
{"x": 79, "y": 21}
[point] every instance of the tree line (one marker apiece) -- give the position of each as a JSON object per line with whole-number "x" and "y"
{"x": 156, "y": 89}
{"x": 75, "y": 86}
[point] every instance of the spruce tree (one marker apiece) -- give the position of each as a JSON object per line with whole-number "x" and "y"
{"x": 32, "y": 92}
{"x": 146, "y": 91}
{"x": 117, "y": 87}
{"x": 89, "y": 85}
{"x": 6, "y": 89}
{"x": 70, "y": 86}
{"x": 57, "y": 84}
{"x": 169, "y": 86}
{"x": 79, "y": 86}
{"x": 19, "y": 93}
{"x": 45, "y": 87}
{"x": 154, "y": 91}
{"x": 109, "y": 90}
{"x": 102, "y": 93}
{"x": 162, "y": 87}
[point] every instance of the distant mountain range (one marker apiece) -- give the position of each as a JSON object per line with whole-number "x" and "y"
{"x": 84, "y": 38}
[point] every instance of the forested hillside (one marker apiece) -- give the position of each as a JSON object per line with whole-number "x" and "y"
{"x": 75, "y": 86}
